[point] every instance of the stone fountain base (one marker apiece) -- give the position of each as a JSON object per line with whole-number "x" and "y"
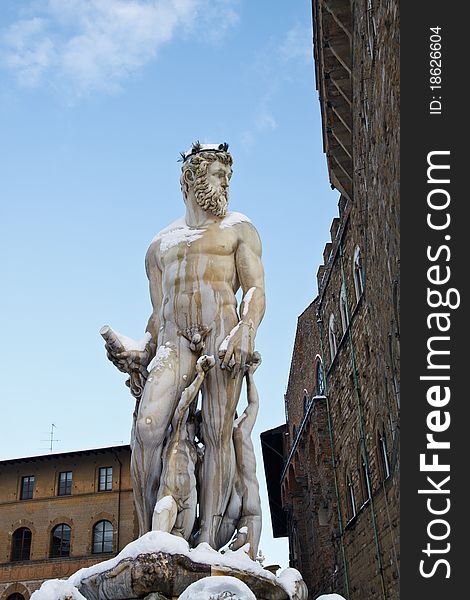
{"x": 169, "y": 575}
{"x": 161, "y": 566}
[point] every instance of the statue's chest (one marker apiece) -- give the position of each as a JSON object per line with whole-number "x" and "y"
{"x": 197, "y": 243}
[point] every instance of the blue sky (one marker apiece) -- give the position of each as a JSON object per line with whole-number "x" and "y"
{"x": 98, "y": 97}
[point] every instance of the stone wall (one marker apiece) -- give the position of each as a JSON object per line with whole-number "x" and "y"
{"x": 343, "y": 449}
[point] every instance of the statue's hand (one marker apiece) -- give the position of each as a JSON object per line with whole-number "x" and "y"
{"x": 255, "y": 362}
{"x": 135, "y": 360}
{"x": 112, "y": 356}
{"x": 127, "y": 355}
{"x": 204, "y": 363}
{"x": 130, "y": 360}
{"x": 239, "y": 345}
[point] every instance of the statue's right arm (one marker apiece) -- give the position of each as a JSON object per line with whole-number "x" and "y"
{"x": 138, "y": 360}
{"x": 154, "y": 275}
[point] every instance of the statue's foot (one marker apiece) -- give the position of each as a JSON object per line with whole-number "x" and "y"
{"x": 240, "y": 539}
{"x": 164, "y": 514}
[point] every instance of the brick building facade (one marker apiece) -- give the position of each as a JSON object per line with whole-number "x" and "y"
{"x": 62, "y": 512}
{"x": 340, "y": 476}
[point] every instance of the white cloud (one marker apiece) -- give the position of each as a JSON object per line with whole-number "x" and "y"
{"x": 31, "y": 50}
{"x": 88, "y": 45}
{"x": 263, "y": 122}
{"x": 263, "y": 119}
{"x": 247, "y": 138}
{"x": 271, "y": 69}
{"x": 297, "y": 44}
{"x": 217, "y": 17}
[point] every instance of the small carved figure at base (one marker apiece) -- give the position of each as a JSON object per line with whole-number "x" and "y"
{"x": 175, "y": 510}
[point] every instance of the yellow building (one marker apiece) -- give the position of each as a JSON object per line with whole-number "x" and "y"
{"x": 61, "y": 512}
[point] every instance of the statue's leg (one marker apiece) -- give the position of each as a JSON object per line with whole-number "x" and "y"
{"x": 232, "y": 514}
{"x": 249, "y": 525}
{"x": 162, "y": 391}
{"x": 220, "y": 398}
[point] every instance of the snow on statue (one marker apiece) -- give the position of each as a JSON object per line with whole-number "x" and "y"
{"x": 195, "y": 267}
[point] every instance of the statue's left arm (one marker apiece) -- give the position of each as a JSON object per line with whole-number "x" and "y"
{"x": 241, "y": 343}
{"x": 244, "y": 424}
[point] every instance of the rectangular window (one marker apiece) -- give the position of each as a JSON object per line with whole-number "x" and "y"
{"x": 106, "y": 479}
{"x": 65, "y": 483}
{"x": 27, "y": 487}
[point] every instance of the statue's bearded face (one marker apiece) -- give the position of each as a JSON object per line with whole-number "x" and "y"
{"x": 211, "y": 188}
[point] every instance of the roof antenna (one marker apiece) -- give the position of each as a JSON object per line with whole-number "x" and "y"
{"x": 51, "y": 439}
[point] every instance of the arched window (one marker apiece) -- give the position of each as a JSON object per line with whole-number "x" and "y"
{"x": 357, "y": 273}
{"x": 332, "y": 337}
{"x": 305, "y": 401}
{"x": 382, "y": 452}
{"x": 343, "y": 308}
{"x": 365, "y": 481}
{"x": 102, "y": 537}
{"x": 320, "y": 382}
{"x": 15, "y": 596}
{"x": 60, "y": 540}
{"x": 352, "y": 510}
{"x": 21, "y": 544}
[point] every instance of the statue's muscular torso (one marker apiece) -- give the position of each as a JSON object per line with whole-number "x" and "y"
{"x": 199, "y": 277}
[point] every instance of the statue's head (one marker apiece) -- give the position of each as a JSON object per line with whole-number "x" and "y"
{"x": 206, "y": 171}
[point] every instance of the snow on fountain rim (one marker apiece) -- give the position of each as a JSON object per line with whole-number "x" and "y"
{"x": 218, "y": 586}
{"x": 159, "y": 541}
{"x": 54, "y": 589}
